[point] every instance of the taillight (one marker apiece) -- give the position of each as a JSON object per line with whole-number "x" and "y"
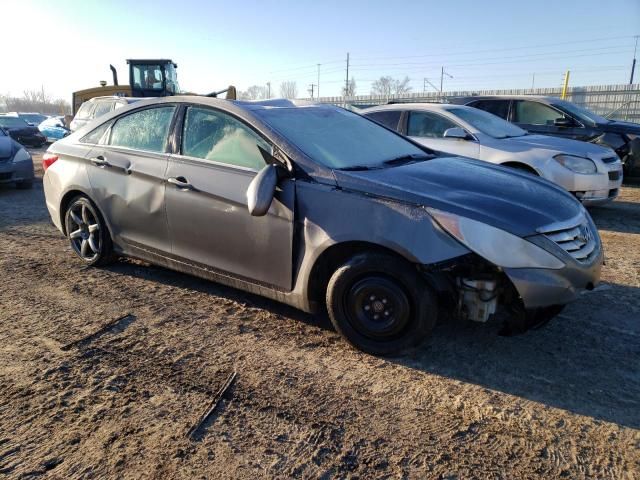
{"x": 48, "y": 159}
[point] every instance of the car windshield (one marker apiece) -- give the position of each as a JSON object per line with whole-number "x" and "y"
{"x": 487, "y": 123}
{"x": 34, "y": 118}
{"x": 340, "y": 139}
{"x": 12, "y": 122}
{"x": 582, "y": 113}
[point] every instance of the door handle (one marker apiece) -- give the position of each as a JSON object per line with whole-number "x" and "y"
{"x": 100, "y": 161}
{"x": 180, "y": 182}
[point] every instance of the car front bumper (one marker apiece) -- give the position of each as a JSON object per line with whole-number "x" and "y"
{"x": 16, "y": 172}
{"x": 592, "y": 189}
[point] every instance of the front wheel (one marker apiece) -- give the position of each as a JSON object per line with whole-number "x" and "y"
{"x": 380, "y": 304}
{"x": 87, "y": 232}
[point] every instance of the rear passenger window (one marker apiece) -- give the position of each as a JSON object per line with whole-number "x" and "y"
{"x": 95, "y": 135}
{"x": 497, "y": 107}
{"x": 143, "y": 130}
{"x": 102, "y": 108}
{"x": 389, "y": 119}
{"x": 216, "y": 136}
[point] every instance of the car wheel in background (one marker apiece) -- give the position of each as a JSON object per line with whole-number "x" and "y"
{"x": 522, "y": 167}
{"x": 88, "y": 233}
{"x": 380, "y": 304}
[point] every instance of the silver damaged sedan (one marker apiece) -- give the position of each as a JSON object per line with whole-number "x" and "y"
{"x": 319, "y": 207}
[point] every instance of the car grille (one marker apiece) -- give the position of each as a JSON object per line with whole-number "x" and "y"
{"x": 578, "y": 241}
{"x": 5, "y": 176}
{"x": 615, "y": 175}
{"x": 609, "y": 159}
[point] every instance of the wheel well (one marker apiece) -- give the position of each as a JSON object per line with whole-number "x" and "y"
{"x": 521, "y": 166}
{"x": 64, "y": 203}
{"x": 329, "y": 261}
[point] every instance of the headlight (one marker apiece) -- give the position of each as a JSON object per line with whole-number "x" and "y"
{"x": 497, "y": 246}
{"x": 22, "y": 156}
{"x": 576, "y": 164}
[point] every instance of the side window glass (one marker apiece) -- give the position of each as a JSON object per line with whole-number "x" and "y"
{"x": 143, "y": 130}
{"x": 389, "y": 119}
{"x": 85, "y": 110}
{"x": 216, "y": 136}
{"x": 96, "y": 134}
{"x": 102, "y": 108}
{"x": 427, "y": 125}
{"x": 497, "y": 107}
{"x": 534, "y": 113}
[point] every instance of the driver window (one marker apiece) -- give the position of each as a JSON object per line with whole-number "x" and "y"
{"x": 534, "y": 113}
{"x": 428, "y": 125}
{"x": 218, "y": 137}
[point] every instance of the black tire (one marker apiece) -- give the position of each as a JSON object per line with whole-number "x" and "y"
{"x": 521, "y": 167}
{"x": 24, "y": 185}
{"x": 380, "y": 304}
{"x": 88, "y": 233}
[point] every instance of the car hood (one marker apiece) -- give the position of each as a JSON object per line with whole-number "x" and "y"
{"x": 6, "y": 147}
{"x": 26, "y": 130}
{"x": 555, "y": 145}
{"x": 621, "y": 127}
{"x": 514, "y": 201}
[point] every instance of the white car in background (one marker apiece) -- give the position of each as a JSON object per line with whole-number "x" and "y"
{"x": 591, "y": 172}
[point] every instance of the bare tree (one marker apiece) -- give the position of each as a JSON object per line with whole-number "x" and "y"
{"x": 349, "y": 90}
{"x": 401, "y": 87}
{"x": 289, "y": 89}
{"x": 35, "y": 101}
{"x": 254, "y": 92}
{"x": 387, "y": 86}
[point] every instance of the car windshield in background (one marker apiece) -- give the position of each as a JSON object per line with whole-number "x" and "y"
{"x": 581, "y": 112}
{"x": 488, "y": 123}
{"x": 34, "y": 118}
{"x": 340, "y": 139}
{"x": 12, "y": 122}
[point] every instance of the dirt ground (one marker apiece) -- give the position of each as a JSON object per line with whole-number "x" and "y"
{"x": 559, "y": 402}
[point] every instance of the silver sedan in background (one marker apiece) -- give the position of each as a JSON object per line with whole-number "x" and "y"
{"x": 592, "y": 173}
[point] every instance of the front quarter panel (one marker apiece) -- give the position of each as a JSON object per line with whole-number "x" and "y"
{"x": 329, "y": 215}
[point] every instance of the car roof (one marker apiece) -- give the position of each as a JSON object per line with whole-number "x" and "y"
{"x": 429, "y": 106}
{"x": 542, "y": 98}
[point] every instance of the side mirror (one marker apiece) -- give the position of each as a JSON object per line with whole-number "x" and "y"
{"x": 563, "y": 122}
{"x": 455, "y": 132}
{"x": 261, "y": 191}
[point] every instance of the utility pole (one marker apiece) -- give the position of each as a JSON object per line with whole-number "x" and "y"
{"x": 346, "y": 82}
{"x": 633, "y": 64}
{"x": 268, "y": 90}
{"x": 533, "y": 81}
{"x": 424, "y": 86}
{"x": 442, "y": 74}
{"x": 318, "y": 80}
{"x": 565, "y": 85}
{"x": 312, "y": 85}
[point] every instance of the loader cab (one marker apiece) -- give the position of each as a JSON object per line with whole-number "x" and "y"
{"x": 153, "y": 78}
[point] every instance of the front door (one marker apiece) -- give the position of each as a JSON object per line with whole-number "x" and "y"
{"x": 127, "y": 172}
{"x": 537, "y": 117}
{"x": 209, "y": 223}
{"x": 428, "y": 129}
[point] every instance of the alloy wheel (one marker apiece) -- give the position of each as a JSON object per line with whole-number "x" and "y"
{"x": 84, "y": 231}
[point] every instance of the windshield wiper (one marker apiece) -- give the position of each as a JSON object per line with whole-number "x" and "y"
{"x": 358, "y": 167}
{"x": 404, "y": 159}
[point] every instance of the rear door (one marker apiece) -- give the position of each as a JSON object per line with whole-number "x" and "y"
{"x": 209, "y": 223}
{"x": 428, "y": 128}
{"x": 127, "y": 171}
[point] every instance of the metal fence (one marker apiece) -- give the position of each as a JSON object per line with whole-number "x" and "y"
{"x": 620, "y": 102}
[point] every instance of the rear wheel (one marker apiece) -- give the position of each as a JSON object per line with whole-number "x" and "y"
{"x": 380, "y": 304}
{"x": 87, "y": 232}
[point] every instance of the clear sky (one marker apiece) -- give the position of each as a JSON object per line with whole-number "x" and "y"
{"x": 68, "y": 45}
